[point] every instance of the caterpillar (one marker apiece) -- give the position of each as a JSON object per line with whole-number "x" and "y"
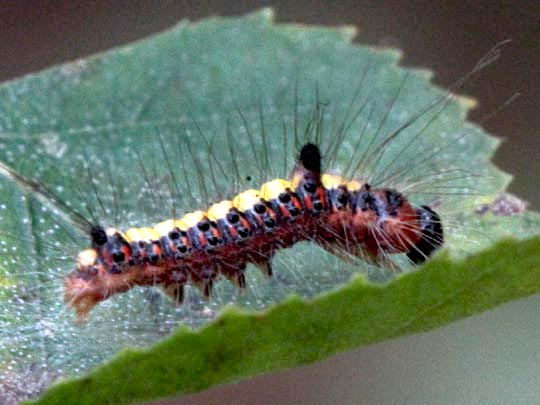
{"x": 344, "y": 217}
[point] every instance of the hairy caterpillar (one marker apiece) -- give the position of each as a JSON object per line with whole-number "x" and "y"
{"x": 345, "y": 217}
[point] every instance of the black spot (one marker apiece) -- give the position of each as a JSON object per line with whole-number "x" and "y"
{"x": 213, "y": 241}
{"x": 343, "y": 199}
{"x": 294, "y": 211}
{"x": 310, "y": 187}
{"x": 182, "y": 248}
{"x": 248, "y": 178}
{"x": 260, "y": 208}
{"x": 318, "y": 206}
{"x": 270, "y": 223}
{"x": 233, "y": 218}
{"x": 310, "y": 157}
{"x": 203, "y": 226}
{"x": 174, "y": 235}
{"x": 365, "y": 201}
{"x": 118, "y": 256}
{"x": 284, "y": 198}
{"x": 244, "y": 233}
{"x": 98, "y": 235}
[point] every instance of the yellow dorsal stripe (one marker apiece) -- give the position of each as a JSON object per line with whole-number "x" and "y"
{"x": 246, "y": 200}
{"x": 272, "y": 189}
{"x": 331, "y": 181}
{"x": 112, "y": 231}
{"x": 142, "y": 234}
{"x": 163, "y": 228}
{"x": 242, "y": 202}
{"x": 193, "y": 218}
{"x": 219, "y": 210}
{"x": 354, "y": 185}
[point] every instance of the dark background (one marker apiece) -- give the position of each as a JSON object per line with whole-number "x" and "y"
{"x": 490, "y": 358}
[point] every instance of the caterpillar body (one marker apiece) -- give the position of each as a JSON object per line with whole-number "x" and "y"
{"x": 344, "y": 217}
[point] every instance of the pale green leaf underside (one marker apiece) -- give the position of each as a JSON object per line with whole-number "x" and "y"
{"x": 195, "y": 79}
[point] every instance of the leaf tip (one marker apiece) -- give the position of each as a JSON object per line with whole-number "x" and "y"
{"x": 266, "y": 14}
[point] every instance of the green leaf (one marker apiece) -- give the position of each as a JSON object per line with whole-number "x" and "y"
{"x": 257, "y": 81}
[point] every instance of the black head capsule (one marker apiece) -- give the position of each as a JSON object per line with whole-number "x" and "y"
{"x": 432, "y": 235}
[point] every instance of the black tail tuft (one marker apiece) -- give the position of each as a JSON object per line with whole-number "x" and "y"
{"x": 432, "y": 235}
